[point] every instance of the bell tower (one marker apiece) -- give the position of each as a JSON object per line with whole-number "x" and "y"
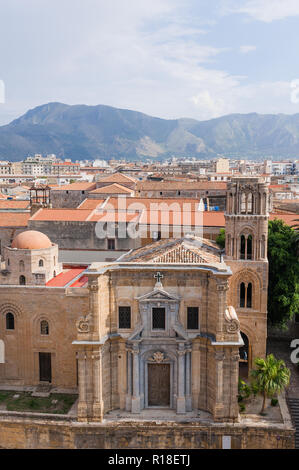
{"x": 246, "y": 227}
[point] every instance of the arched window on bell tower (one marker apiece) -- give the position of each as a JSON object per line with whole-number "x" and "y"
{"x": 242, "y": 295}
{"x": 249, "y": 247}
{"x": 249, "y": 203}
{"x": 245, "y": 299}
{"x": 242, "y": 247}
{"x": 243, "y": 203}
{"x": 246, "y": 247}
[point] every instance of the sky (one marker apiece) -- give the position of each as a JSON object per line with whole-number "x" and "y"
{"x": 197, "y": 59}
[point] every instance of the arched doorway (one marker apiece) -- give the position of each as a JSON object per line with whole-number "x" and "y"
{"x": 244, "y": 358}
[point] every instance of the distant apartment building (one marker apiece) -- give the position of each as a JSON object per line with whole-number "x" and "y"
{"x": 286, "y": 167}
{"x": 222, "y": 165}
{"x": 6, "y": 168}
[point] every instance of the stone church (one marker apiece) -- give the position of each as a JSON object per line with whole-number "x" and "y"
{"x": 169, "y": 325}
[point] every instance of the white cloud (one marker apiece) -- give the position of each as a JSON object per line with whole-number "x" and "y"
{"x": 246, "y": 49}
{"x": 266, "y": 10}
{"x": 141, "y": 55}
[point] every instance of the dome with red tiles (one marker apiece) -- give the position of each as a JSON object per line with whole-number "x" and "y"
{"x": 31, "y": 240}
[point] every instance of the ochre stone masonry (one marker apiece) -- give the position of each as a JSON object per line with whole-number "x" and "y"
{"x": 17, "y": 433}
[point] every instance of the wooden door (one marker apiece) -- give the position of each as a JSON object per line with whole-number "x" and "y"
{"x": 158, "y": 384}
{"x": 45, "y": 370}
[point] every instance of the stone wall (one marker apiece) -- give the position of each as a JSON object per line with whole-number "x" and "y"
{"x": 54, "y": 433}
{"x": 74, "y": 235}
{"x": 61, "y": 308}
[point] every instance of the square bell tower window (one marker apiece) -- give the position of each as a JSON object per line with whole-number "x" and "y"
{"x": 158, "y": 315}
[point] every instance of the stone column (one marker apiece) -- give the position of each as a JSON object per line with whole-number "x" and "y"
{"x": 122, "y": 374}
{"x": 89, "y": 383}
{"x": 94, "y": 308}
{"x": 195, "y": 374}
{"x": 218, "y": 407}
{"x": 82, "y": 405}
{"x": 181, "y": 399}
{"x": 98, "y": 406}
{"x": 129, "y": 381}
{"x": 188, "y": 380}
{"x": 136, "y": 395}
{"x": 222, "y": 288}
{"x": 234, "y": 377}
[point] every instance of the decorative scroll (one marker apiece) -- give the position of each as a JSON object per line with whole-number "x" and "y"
{"x": 232, "y": 322}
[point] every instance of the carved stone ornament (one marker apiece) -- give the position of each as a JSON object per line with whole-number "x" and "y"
{"x": 246, "y": 187}
{"x": 158, "y": 357}
{"x": 83, "y": 325}
{"x": 232, "y": 326}
{"x": 232, "y": 323}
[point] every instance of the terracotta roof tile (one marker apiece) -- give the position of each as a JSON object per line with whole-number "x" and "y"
{"x": 72, "y": 215}
{"x": 117, "y": 178}
{"x": 91, "y": 203}
{"x": 180, "y": 185}
{"x": 112, "y": 189}
{"x": 84, "y": 186}
{"x": 13, "y": 204}
{"x": 105, "y": 216}
{"x": 65, "y": 277}
{"x": 139, "y": 203}
{"x": 13, "y": 219}
{"x": 189, "y": 249}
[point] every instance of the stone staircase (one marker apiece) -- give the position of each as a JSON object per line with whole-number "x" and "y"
{"x": 294, "y": 411}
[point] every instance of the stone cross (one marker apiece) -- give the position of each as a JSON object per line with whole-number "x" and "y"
{"x": 158, "y": 276}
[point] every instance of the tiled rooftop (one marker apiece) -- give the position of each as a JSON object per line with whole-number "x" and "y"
{"x": 13, "y": 219}
{"x": 117, "y": 178}
{"x": 112, "y": 189}
{"x": 67, "y": 276}
{"x": 84, "y": 186}
{"x": 189, "y": 249}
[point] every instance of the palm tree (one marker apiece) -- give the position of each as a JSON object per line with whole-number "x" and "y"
{"x": 270, "y": 376}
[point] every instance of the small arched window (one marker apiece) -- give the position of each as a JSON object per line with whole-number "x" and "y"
{"x": 22, "y": 280}
{"x": 44, "y": 327}
{"x": 246, "y": 295}
{"x": 249, "y": 247}
{"x": 10, "y": 321}
{"x": 41, "y": 263}
{"x": 249, "y": 296}
{"x": 21, "y": 265}
{"x": 242, "y": 295}
{"x": 242, "y": 247}
{"x": 249, "y": 204}
{"x": 243, "y": 203}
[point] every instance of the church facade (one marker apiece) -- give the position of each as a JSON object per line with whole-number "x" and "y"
{"x": 162, "y": 327}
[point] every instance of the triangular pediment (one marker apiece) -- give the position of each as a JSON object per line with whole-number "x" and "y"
{"x": 186, "y": 250}
{"x": 180, "y": 254}
{"x": 157, "y": 294}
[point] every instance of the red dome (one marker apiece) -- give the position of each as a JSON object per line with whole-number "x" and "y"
{"x": 31, "y": 240}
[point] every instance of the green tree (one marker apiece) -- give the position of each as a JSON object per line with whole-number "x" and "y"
{"x": 296, "y": 229}
{"x": 283, "y": 290}
{"x": 270, "y": 377}
{"x": 221, "y": 238}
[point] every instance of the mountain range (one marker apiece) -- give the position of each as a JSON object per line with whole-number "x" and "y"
{"x": 103, "y": 132}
